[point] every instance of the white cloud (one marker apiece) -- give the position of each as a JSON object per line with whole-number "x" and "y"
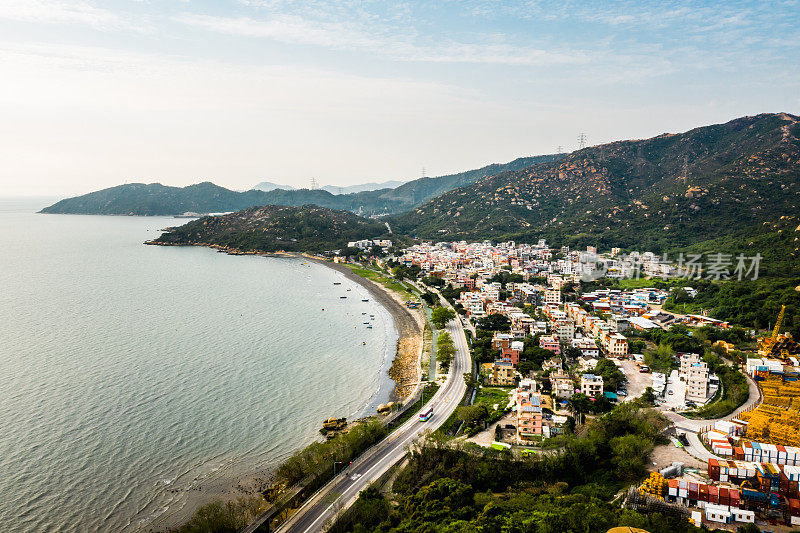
{"x": 295, "y": 29}
{"x": 59, "y": 12}
{"x": 283, "y": 28}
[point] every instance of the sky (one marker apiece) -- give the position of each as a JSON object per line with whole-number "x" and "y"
{"x": 98, "y": 93}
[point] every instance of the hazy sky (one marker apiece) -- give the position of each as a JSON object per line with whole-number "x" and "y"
{"x": 96, "y": 93}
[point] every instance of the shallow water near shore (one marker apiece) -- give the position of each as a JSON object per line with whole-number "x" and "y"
{"x": 134, "y": 377}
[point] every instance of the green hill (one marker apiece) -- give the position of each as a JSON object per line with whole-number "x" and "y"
{"x": 731, "y": 181}
{"x": 274, "y": 228}
{"x": 156, "y": 199}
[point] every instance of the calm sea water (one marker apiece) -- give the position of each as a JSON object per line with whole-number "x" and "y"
{"x": 130, "y": 374}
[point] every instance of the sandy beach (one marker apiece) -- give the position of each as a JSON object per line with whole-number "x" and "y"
{"x": 410, "y": 323}
{"x": 405, "y": 372}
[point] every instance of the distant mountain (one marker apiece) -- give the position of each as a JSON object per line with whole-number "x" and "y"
{"x": 732, "y": 181}
{"x": 274, "y": 228}
{"x": 157, "y": 199}
{"x": 333, "y": 189}
{"x": 267, "y": 186}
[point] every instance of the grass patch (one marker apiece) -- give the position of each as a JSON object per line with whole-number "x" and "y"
{"x": 387, "y": 281}
{"x": 492, "y": 395}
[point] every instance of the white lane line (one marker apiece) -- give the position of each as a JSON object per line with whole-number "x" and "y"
{"x": 391, "y": 451}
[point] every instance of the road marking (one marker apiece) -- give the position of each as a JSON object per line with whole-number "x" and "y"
{"x": 390, "y": 451}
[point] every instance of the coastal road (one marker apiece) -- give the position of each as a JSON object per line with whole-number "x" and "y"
{"x": 342, "y": 491}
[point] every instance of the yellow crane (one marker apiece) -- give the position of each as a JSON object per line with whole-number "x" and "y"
{"x": 768, "y": 342}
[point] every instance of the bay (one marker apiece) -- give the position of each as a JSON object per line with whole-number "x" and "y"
{"x": 133, "y": 377}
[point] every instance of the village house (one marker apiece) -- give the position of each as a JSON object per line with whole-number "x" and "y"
{"x": 563, "y": 387}
{"x": 550, "y": 342}
{"x": 529, "y": 414}
{"x": 503, "y": 374}
{"x": 591, "y": 385}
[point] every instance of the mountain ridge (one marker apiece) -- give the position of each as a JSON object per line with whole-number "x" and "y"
{"x": 155, "y": 199}
{"x": 666, "y": 191}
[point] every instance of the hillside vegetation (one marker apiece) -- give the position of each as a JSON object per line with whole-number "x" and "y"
{"x": 671, "y": 191}
{"x": 156, "y": 199}
{"x": 274, "y": 228}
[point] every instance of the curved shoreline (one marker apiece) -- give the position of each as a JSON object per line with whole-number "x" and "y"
{"x": 406, "y": 370}
{"x": 405, "y": 362}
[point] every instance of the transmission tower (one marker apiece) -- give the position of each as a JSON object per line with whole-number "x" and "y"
{"x": 581, "y": 141}
{"x": 423, "y": 172}
{"x": 314, "y": 184}
{"x": 560, "y": 150}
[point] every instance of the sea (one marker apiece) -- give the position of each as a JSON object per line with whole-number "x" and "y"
{"x": 133, "y": 376}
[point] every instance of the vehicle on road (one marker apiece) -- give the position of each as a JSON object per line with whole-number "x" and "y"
{"x": 426, "y": 414}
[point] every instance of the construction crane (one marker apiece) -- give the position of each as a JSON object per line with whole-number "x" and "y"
{"x": 768, "y": 342}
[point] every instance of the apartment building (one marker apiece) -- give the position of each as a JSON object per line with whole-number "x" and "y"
{"x": 552, "y": 296}
{"x": 591, "y": 385}
{"x": 697, "y": 382}
{"x": 563, "y": 387}
{"x": 550, "y": 342}
{"x": 501, "y": 341}
{"x": 529, "y": 414}
{"x": 564, "y": 329}
{"x": 614, "y": 344}
{"x": 503, "y": 374}
{"x": 695, "y": 373}
{"x": 587, "y": 346}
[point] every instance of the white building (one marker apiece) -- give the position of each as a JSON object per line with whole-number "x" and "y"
{"x": 591, "y": 385}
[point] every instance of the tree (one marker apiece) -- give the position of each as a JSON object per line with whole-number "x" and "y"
{"x": 612, "y": 375}
{"x": 441, "y": 316}
{"x": 471, "y": 415}
{"x": 572, "y": 352}
{"x": 629, "y": 455}
{"x": 429, "y": 298}
{"x": 445, "y": 350}
{"x": 662, "y": 358}
{"x": 648, "y": 396}
{"x": 495, "y": 322}
{"x": 580, "y": 404}
{"x": 349, "y": 251}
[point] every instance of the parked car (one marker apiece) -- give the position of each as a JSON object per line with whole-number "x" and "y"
{"x": 671, "y": 392}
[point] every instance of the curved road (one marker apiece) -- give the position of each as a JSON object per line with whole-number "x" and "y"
{"x": 342, "y": 491}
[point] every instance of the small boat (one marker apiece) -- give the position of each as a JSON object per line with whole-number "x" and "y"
{"x": 364, "y": 313}
{"x": 337, "y": 282}
{"x": 342, "y": 296}
{"x": 364, "y": 300}
{"x": 349, "y": 289}
{"x": 369, "y": 327}
{"x": 366, "y": 323}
